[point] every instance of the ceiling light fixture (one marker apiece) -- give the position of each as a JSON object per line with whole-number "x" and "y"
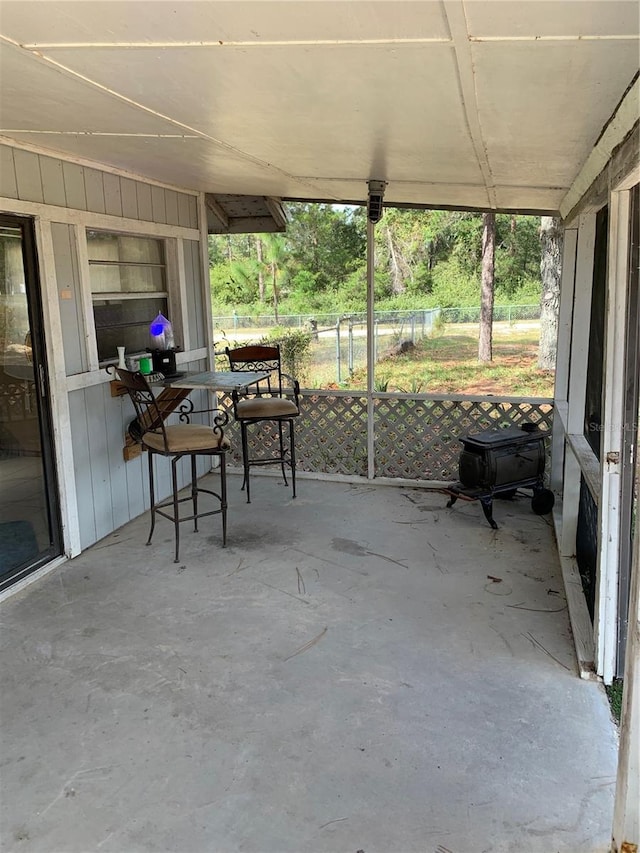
{"x": 374, "y": 205}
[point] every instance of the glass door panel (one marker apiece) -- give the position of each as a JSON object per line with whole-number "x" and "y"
{"x": 29, "y": 517}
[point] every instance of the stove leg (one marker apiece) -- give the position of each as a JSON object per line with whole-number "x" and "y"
{"x": 487, "y": 509}
{"x": 452, "y": 500}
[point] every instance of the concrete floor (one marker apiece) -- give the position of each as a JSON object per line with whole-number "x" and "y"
{"x": 360, "y": 670}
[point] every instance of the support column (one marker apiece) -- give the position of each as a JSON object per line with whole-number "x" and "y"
{"x": 371, "y": 350}
{"x": 563, "y": 355}
{"x": 606, "y": 601}
{"x": 626, "y": 818}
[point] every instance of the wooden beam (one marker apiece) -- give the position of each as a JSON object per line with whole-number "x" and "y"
{"x": 619, "y": 126}
{"x": 217, "y": 211}
{"x": 274, "y": 206}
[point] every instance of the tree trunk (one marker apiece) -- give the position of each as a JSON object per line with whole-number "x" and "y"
{"x": 260, "y": 269}
{"x": 397, "y": 277}
{"x": 486, "y": 295}
{"x": 274, "y": 272}
{"x": 551, "y": 240}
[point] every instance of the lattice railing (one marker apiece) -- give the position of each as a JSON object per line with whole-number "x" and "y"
{"x": 416, "y": 435}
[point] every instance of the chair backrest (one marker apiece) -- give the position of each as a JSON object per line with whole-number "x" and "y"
{"x": 149, "y": 417}
{"x": 259, "y": 357}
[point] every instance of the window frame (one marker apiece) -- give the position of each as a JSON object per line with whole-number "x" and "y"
{"x": 171, "y": 292}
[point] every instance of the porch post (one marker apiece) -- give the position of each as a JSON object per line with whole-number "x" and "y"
{"x": 606, "y": 601}
{"x": 371, "y": 351}
{"x": 563, "y": 353}
{"x": 206, "y": 280}
{"x": 626, "y": 817}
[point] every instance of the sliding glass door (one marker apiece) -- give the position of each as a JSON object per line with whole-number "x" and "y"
{"x": 29, "y": 509}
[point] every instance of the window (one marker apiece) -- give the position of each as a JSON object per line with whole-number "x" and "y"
{"x": 128, "y": 289}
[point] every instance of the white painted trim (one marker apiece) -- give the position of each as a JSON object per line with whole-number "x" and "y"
{"x": 37, "y": 575}
{"x": 581, "y": 628}
{"x": 192, "y": 355}
{"x": 619, "y": 125}
{"x": 626, "y": 817}
{"x": 86, "y": 302}
{"x": 457, "y": 21}
{"x": 177, "y": 289}
{"x": 561, "y": 411}
{"x": 588, "y": 462}
{"x": 356, "y": 479}
{"x": 563, "y": 353}
{"x": 613, "y": 406}
{"x": 101, "y": 221}
{"x": 206, "y": 279}
{"x": 371, "y": 349}
{"x": 78, "y": 381}
{"x": 90, "y": 164}
{"x": 565, "y": 313}
{"x": 581, "y": 322}
{"x": 61, "y": 418}
{"x": 579, "y": 351}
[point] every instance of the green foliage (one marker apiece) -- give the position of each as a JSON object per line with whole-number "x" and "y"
{"x": 295, "y": 346}
{"x": 614, "y": 694}
{"x": 423, "y": 258}
{"x": 452, "y": 286}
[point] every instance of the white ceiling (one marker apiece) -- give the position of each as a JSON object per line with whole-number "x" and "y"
{"x": 477, "y": 104}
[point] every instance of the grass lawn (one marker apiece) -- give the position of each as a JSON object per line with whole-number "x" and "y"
{"x": 448, "y": 362}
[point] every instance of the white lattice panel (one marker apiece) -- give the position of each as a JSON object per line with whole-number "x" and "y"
{"x": 416, "y": 436}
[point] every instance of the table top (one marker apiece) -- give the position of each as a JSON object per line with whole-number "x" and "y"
{"x": 219, "y": 380}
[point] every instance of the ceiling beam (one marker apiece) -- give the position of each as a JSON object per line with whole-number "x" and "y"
{"x": 621, "y": 123}
{"x": 217, "y": 211}
{"x": 454, "y": 10}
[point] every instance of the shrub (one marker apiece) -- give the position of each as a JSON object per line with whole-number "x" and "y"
{"x": 295, "y": 345}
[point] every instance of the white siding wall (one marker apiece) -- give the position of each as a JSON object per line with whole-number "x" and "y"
{"x": 69, "y": 197}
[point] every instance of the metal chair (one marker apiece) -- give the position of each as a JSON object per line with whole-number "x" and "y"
{"x": 270, "y": 401}
{"x": 176, "y": 441}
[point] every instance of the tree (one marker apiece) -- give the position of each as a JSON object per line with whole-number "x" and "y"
{"x": 260, "y": 268}
{"x": 551, "y": 240}
{"x": 275, "y": 252}
{"x": 487, "y": 286}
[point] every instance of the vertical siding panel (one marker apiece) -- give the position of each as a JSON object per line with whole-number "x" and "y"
{"x": 74, "y": 186}
{"x": 66, "y": 263}
{"x": 145, "y": 209}
{"x": 129, "y": 198}
{"x": 193, "y": 211}
{"x": 82, "y": 468}
{"x": 136, "y": 473}
{"x": 171, "y": 201}
{"x": 158, "y": 205}
{"x": 52, "y": 181}
{"x": 112, "y": 194}
{"x": 99, "y": 452}
{"x": 184, "y": 216}
{"x": 95, "y": 190}
{"x": 28, "y": 177}
{"x": 195, "y": 307}
{"x": 114, "y": 416}
{"x": 8, "y": 184}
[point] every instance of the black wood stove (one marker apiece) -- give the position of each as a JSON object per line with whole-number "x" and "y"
{"x": 498, "y": 462}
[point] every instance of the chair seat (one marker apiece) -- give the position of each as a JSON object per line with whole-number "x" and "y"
{"x": 186, "y": 438}
{"x": 266, "y": 407}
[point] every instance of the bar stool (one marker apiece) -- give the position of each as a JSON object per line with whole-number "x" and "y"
{"x": 175, "y": 442}
{"x": 269, "y": 401}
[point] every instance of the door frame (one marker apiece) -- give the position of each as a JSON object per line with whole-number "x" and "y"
{"x": 45, "y": 414}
